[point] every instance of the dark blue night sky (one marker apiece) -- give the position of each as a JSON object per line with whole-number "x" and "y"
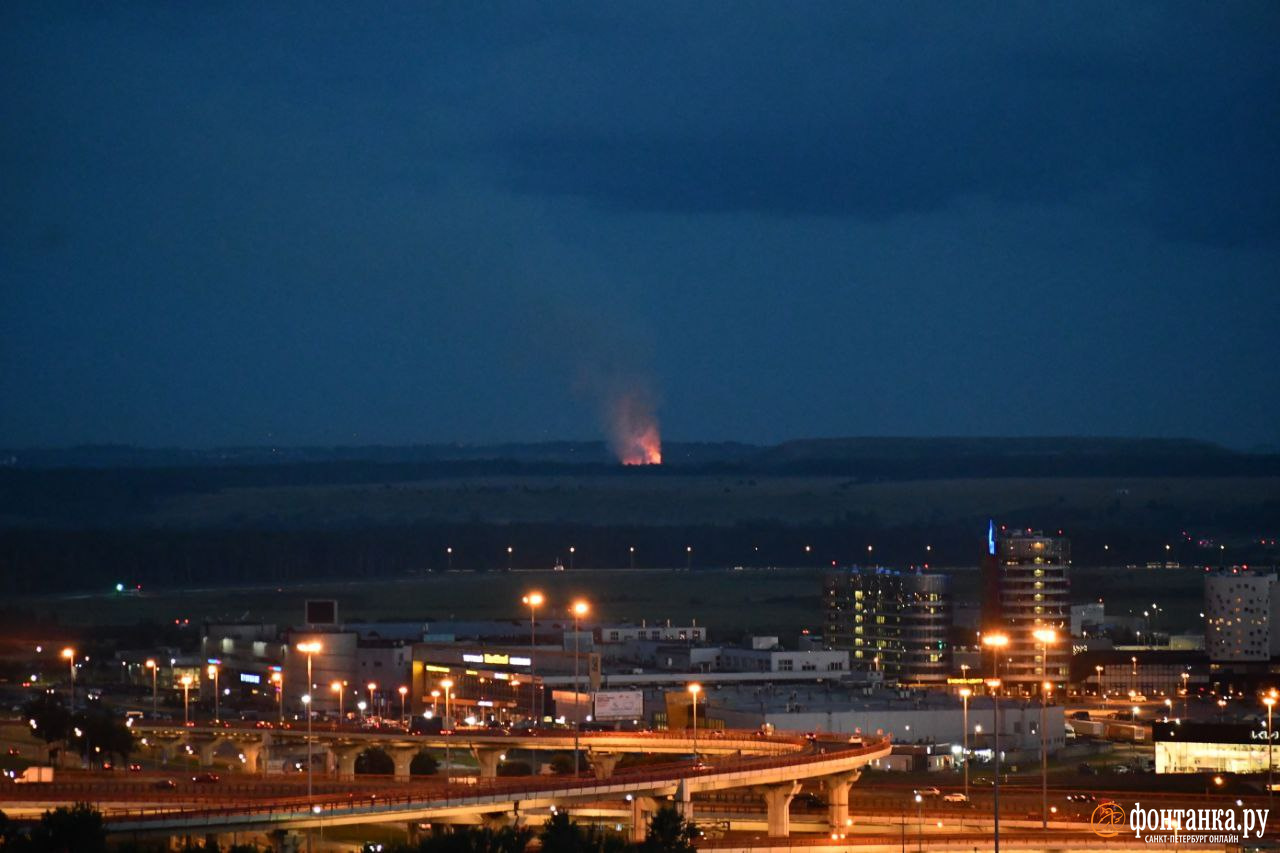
{"x": 352, "y": 223}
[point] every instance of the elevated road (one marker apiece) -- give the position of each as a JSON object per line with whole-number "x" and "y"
{"x": 774, "y": 772}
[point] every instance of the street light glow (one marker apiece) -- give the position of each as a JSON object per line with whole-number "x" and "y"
{"x": 310, "y": 648}
{"x": 580, "y": 608}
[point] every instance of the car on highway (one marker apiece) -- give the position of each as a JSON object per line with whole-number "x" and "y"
{"x": 165, "y": 785}
{"x": 955, "y": 797}
{"x": 928, "y": 792}
{"x": 1081, "y": 798}
{"x": 205, "y": 778}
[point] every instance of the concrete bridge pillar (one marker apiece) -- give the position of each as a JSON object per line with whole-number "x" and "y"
{"x": 347, "y": 761}
{"x": 403, "y": 757}
{"x": 684, "y": 800}
{"x": 642, "y": 809}
{"x": 207, "y": 751}
{"x": 603, "y": 763}
{"x": 837, "y": 787}
{"x": 496, "y": 820}
{"x": 252, "y": 751}
{"x": 777, "y": 799}
{"x": 489, "y": 760}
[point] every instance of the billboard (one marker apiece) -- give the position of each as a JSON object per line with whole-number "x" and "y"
{"x": 619, "y": 705}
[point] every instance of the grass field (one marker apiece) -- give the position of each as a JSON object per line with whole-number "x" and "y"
{"x": 730, "y": 603}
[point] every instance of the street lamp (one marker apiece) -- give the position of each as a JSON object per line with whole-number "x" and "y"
{"x": 372, "y": 687}
{"x": 510, "y": 551}
{"x": 186, "y": 697}
{"x": 1269, "y": 700}
{"x": 694, "y": 690}
{"x": 580, "y": 609}
{"x": 1046, "y": 689}
{"x": 1098, "y": 670}
{"x": 448, "y": 553}
{"x": 1045, "y": 636}
{"x": 213, "y": 673}
{"x": 403, "y": 691}
{"x": 277, "y": 679}
{"x": 309, "y": 649}
{"x": 69, "y": 654}
{"x": 447, "y": 684}
{"x": 1185, "y": 676}
{"x": 435, "y": 701}
{"x": 965, "y": 693}
{"x": 997, "y": 642}
{"x": 919, "y": 823}
{"x": 534, "y": 601}
{"x": 336, "y": 687}
{"x": 572, "y": 551}
{"x": 151, "y": 665}
{"x": 632, "y": 550}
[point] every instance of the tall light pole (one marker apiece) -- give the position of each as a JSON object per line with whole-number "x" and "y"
{"x": 435, "y": 702}
{"x": 373, "y": 709}
{"x": 572, "y": 551}
{"x": 633, "y": 556}
{"x": 688, "y": 557}
{"x": 336, "y": 687}
{"x": 919, "y": 823}
{"x": 69, "y": 654}
{"x": 403, "y": 691}
{"x": 309, "y": 649}
{"x": 1045, "y": 689}
{"x": 186, "y": 700}
{"x": 997, "y": 642}
{"x": 965, "y": 693}
{"x": 1045, "y": 636}
{"x": 1098, "y": 670}
{"x": 448, "y": 553}
{"x": 1185, "y": 676}
{"x": 510, "y": 551}
{"x": 1270, "y": 701}
{"x": 277, "y": 678}
{"x": 447, "y": 684}
{"x": 151, "y": 665}
{"x": 534, "y": 601}
{"x": 580, "y": 609}
{"x": 694, "y": 690}
{"x": 213, "y": 673}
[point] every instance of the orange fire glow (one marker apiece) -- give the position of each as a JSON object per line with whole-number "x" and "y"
{"x": 636, "y": 439}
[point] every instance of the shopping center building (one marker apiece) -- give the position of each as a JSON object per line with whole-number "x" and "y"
{"x": 1211, "y": 747}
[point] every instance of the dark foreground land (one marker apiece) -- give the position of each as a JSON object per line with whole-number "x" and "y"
{"x": 84, "y": 520}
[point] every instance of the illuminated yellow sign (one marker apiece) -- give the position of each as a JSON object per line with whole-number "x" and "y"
{"x": 499, "y": 659}
{"x": 433, "y": 668}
